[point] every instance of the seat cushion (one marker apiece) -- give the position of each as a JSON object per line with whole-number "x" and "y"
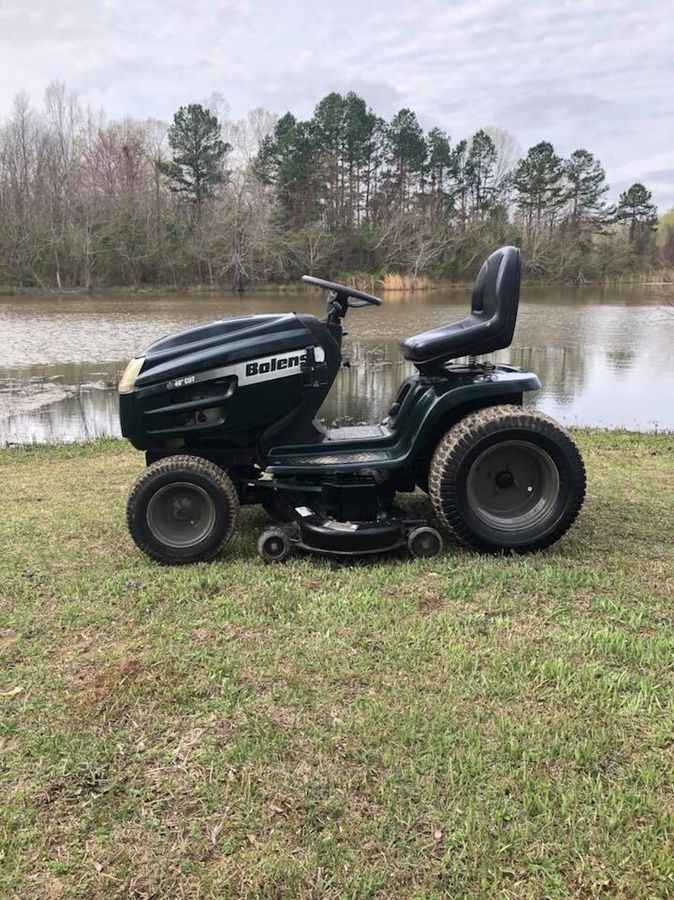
{"x": 490, "y": 324}
{"x": 445, "y": 342}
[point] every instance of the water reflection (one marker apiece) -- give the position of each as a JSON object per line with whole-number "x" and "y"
{"x": 579, "y": 388}
{"x": 85, "y": 415}
{"x": 604, "y": 356}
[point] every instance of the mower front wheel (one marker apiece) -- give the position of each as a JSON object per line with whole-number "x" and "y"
{"x": 506, "y": 479}
{"x": 182, "y": 509}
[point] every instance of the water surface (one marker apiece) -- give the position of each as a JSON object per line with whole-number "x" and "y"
{"x": 605, "y": 355}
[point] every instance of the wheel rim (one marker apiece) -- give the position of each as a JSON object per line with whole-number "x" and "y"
{"x": 181, "y": 514}
{"x": 513, "y": 486}
{"x": 425, "y": 543}
{"x": 274, "y": 546}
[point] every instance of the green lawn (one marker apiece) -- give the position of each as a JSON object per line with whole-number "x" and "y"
{"x": 468, "y": 727}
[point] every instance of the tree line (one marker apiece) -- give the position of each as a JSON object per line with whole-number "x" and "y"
{"x": 210, "y": 200}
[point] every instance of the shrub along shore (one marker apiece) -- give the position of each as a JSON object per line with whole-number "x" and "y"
{"x": 392, "y": 282}
{"x": 466, "y": 726}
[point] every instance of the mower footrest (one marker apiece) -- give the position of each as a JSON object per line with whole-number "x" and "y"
{"x": 324, "y": 462}
{"x": 356, "y": 432}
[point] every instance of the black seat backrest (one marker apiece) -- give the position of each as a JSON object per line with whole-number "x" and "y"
{"x": 490, "y": 324}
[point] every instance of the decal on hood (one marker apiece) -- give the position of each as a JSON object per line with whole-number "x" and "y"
{"x": 265, "y": 368}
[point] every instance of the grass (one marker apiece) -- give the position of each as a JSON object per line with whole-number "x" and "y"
{"x": 468, "y": 727}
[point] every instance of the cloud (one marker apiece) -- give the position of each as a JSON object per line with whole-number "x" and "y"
{"x": 547, "y": 108}
{"x": 576, "y": 73}
{"x": 665, "y": 176}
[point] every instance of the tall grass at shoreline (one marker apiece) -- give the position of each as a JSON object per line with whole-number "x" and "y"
{"x": 394, "y": 282}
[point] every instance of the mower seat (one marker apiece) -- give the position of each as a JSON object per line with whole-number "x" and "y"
{"x": 488, "y": 327}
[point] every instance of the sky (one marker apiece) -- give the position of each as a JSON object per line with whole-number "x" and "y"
{"x": 592, "y": 73}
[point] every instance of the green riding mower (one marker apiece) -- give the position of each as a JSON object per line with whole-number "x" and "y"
{"x": 226, "y": 414}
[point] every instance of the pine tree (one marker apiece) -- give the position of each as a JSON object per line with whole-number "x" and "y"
{"x": 539, "y": 186}
{"x": 636, "y": 209}
{"x": 289, "y": 161}
{"x": 198, "y": 151}
{"x": 479, "y": 171}
{"x": 586, "y": 180}
{"x": 408, "y": 152}
{"x": 458, "y": 188}
{"x": 327, "y": 131}
{"x": 439, "y": 165}
{"x": 359, "y": 127}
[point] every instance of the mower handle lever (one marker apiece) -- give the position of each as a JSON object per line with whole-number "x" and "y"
{"x": 342, "y": 292}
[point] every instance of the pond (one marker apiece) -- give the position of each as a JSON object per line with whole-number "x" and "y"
{"x": 605, "y": 355}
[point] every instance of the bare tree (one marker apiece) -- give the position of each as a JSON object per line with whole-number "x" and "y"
{"x": 21, "y": 164}
{"x": 247, "y": 135}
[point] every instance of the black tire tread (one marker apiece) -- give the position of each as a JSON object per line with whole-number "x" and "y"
{"x": 197, "y": 465}
{"x": 462, "y": 436}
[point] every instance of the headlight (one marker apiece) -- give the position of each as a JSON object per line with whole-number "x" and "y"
{"x": 131, "y": 372}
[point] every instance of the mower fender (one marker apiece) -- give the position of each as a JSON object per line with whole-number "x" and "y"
{"x": 426, "y": 409}
{"x": 445, "y": 404}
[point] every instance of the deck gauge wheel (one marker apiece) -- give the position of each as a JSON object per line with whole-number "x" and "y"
{"x": 274, "y": 545}
{"x": 424, "y": 543}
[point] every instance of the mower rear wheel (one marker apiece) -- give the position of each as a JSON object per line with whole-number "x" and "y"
{"x": 182, "y": 509}
{"x": 506, "y": 479}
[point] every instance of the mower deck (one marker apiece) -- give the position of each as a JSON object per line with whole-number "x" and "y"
{"x": 316, "y": 532}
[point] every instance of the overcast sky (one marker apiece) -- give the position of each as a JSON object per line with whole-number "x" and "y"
{"x": 592, "y": 73}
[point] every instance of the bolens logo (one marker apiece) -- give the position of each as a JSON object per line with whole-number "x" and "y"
{"x": 280, "y": 366}
{"x": 274, "y": 364}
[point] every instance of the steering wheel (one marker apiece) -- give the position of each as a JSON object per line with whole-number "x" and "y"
{"x": 342, "y": 293}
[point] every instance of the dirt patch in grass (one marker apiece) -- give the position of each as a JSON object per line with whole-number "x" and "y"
{"x": 431, "y": 603}
{"x": 105, "y": 689}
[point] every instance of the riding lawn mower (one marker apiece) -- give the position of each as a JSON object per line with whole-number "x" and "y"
{"x": 226, "y": 414}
